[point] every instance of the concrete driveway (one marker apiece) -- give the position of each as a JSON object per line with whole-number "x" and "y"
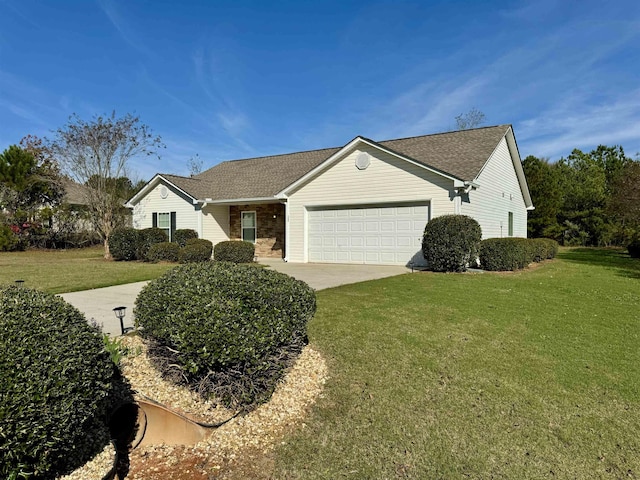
{"x": 98, "y": 303}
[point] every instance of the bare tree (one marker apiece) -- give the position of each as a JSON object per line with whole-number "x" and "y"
{"x": 96, "y": 153}
{"x": 195, "y": 165}
{"x": 472, "y": 119}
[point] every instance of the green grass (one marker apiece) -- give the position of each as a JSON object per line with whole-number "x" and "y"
{"x": 533, "y": 374}
{"x": 60, "y": 271}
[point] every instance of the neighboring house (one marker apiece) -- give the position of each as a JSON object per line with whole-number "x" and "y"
{"x": 75, "y": 194}
{"x": 366, "y": 202}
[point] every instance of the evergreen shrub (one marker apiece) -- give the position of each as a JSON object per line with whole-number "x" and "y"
{"x": 234, "y": 251}
{"x": 196, "y": 250}
{"x": 148, "y": 237}
{"x": 450, "y": 243}
{"x": 543, "y": 248}
{"x": 504, "y": 254}
{"x": 163, "y": 252}
{"x": 634, "y": 248}
{"x": 230, "y": 331}
{"x": 182, "y": 235}
{"x": 124, "y": 244}
{"x": 58, "y": 386}
{"x": 9, "y": 241}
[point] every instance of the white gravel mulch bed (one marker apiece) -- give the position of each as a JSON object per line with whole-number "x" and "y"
{"x": 259, "y": 430}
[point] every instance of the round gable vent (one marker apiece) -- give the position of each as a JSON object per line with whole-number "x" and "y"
{"x": 164, "y": 192}
{"x": 363, "y": 160}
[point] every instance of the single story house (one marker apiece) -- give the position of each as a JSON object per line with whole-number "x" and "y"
{"x": 365, "y": 202}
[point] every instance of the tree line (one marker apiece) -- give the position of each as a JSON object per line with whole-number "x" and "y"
{"x": 590, "y": 199}
{"x": 90, "y": 157}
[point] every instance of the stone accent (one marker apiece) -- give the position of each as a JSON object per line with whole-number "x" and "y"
{"x": 270, "y": 227}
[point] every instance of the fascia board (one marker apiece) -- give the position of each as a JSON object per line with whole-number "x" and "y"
{"x": 235, "y": 201}
{"x": 517, "y": 164}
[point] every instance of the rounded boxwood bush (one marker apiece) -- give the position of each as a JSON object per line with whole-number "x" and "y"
{"x": 230, "y": 331}
{"x": 123, "y": 244}
{"x": 450, "y": 243}
{"x": 182, "y": 235}
{"x": 196, "y": 250}
{"x": 58, "y": 386}
{"x": 504, "y": 254}
{"x": 234, "y": 251}
{"x": 148, "y": 237}
{"x": 163, "y": 252}
{"x": 634, "y": 248}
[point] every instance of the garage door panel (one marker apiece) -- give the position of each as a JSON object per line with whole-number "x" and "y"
{"x": 387, "y": 241}
{"x": 371, "y": 227}
{"x": 404, "y": 226}
{"x": 404, "y": 242}
{"x": 381, "y": 234}
{"x": 387, "y": 226}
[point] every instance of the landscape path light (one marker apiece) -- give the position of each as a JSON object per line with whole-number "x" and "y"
{"x": 120, "y": 312}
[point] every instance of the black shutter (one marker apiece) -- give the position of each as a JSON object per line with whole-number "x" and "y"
{"x": 154, "y": 219}
{"x": 173, "y": 226}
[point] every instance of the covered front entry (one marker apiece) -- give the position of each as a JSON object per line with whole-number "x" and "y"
{"x": 371, "y": 234}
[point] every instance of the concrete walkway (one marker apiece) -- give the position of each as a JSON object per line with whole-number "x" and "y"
{"x": 98, "y": 304}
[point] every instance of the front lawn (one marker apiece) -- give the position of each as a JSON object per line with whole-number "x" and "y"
{"x": 60, "y": 271}
{"x": 534, "y": 374}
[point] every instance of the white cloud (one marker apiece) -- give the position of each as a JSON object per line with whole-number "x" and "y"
{"x": 126, "y": 32}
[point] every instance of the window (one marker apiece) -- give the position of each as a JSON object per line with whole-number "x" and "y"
{"x": 249, "y": 227}
{"x": 511, "y": 224}
{"x": 166, "y": 222}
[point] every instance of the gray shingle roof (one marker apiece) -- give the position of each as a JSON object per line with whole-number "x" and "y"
{"x": 461, "y": 154}
{"x": 74, "y": 193}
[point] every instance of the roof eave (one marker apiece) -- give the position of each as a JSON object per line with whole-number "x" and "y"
{"x": 235, "y": 201}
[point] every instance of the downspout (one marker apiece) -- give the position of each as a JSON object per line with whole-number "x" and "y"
{"x": 286, "y": 230}
{"x": 200, "y": 220}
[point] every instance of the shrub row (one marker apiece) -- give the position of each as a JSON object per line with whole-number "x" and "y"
{"x": 502, "y": 254}
{"x": 229, "y": 331}
{"x": 58, "y": 386}
{"x": 234, "y": 252}
{"x": 152, "y": 245}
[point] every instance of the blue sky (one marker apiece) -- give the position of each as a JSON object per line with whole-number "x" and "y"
{"x": 237, "y": 79}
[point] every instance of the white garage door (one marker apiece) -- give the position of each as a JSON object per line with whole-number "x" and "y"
{"x": 376, "y": 234}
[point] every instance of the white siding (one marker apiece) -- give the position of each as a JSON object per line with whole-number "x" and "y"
{"x": 498, "y": 194}
{"x": 186, "y": 214}
{"x": 215, "y": 223}
{"x": 387, "y": 180}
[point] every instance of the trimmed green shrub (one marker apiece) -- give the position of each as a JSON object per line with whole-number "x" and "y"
{"x": 9, "y": 241}
{"x": 163, "y": 252}
{"x": 230, "y": 331}
{"x": 634, "y": 248}
{"x": 148, "y": 237}
{"x": 543, "y": 248}
{"x": 234, "y": 251}
{"x": 58, "y": 386}
{"x": 181, "y": 236}
{"x": 450, "y": 243}
{"x": 501, "y": 254}
{"x": 124, "y": 244}
{"x": 196, "y": 250}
